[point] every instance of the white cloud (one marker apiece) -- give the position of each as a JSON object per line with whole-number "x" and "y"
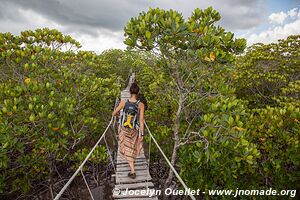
{"x": 278, "y": 31}
{"x": 293, "y": 12}
{"x": 101, "y": 42}
{"x": 30, "y": 20}
{"x": 278, "y": 18}
{"x": 98, "y": 42}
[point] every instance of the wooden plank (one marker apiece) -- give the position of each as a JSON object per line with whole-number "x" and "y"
{"x": 135, "y": 185}
{"x": 138, "y": 179}
{"x": 135, "y": 164}
{"x": 130, "y": 180}
{"x": 127, "y": 168}
{"x": 138, "y": 173}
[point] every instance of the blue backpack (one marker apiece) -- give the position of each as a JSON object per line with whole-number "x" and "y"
{"x": 130, "y": 115}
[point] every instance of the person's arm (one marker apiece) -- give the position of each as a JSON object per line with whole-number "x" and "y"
{"x": 141, "y": 118}
{"x": 120, "y": 106}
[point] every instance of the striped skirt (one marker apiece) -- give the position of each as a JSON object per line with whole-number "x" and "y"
{"x": 129, "y": 145}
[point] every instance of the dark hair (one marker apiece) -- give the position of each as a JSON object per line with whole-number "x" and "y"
{"x": 134, "y": 88}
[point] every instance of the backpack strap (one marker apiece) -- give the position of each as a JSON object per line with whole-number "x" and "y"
{"x": 123, "y": 113}
{"x": 135, "y": 120}
{"x": 137, "y": 125}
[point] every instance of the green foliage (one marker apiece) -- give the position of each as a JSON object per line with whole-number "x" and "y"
{"x": 168, "y": 33}
{"x": 223, "y": 140}
{"x": 99, "y": 154}
{"x": 269, "y": 74}
{"x": 51, "y": 104}
{"x": 120, "y": 63}
{"x": 223, "y": 156}
{"x": 276, "y": 132}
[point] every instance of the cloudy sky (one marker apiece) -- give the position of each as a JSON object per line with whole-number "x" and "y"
{"x": 98, "y": 24}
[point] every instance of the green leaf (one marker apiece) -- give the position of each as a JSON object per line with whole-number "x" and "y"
{"x": 32, "y": 117}
{"x": 244, "y": 142}
{"x": 148, "y": 34}
{"x": 230, "y": 120}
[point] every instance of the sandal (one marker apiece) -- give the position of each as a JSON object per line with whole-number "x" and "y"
{"x": 131, "y": 175}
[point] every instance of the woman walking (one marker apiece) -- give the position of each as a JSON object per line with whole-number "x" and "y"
{"x": 132, "y": 120}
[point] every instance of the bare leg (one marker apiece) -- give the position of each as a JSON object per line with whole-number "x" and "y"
{"x": 139, "y": 147}
{"x": 131, "y": 165}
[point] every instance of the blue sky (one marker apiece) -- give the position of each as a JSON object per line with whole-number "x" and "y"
{"x": 275, "y": 6}
{"x": 98, "y": 24}
{"x": 281, "y": 5}
{"x": 269, "y": 30}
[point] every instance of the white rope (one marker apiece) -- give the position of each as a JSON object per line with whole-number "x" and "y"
{"x": 82, "y": 164}
{"x": 109, "y": 153}
{"x": 87, "y": 185}
{"x": 149, "y": 156}
{"x": 116, "y": 104}
{"x": 169, "y": 163}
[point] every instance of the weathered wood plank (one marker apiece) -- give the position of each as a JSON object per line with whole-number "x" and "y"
{"x": 138, "y": 173}
{"x": 135, "y": 185}
{"x": 131, "y": 180}
{"x": 126, "y": 168}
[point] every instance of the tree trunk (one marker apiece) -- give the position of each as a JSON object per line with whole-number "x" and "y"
{"x": 51, "y": 182}
{"x": 176, "y": 140}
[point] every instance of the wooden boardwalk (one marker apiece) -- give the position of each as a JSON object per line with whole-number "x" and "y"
{"x": 127, "y": 188}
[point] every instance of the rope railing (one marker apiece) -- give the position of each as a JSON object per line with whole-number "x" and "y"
{"x": 82, "y": 164}
{"x": 169, "y": 163}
